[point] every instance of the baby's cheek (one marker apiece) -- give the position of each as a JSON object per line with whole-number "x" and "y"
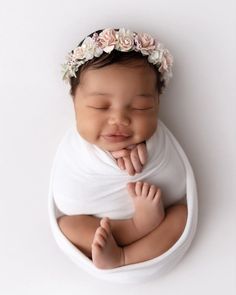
{"x": 145, "y": 131}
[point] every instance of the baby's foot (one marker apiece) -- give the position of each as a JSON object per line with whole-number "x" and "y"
{"x": 149, "y": 209}
{"x": 105, "y": 251}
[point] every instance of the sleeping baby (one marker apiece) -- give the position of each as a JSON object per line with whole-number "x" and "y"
{"x": 119, "y": 181}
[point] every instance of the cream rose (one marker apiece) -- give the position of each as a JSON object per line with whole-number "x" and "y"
{"x": 125, "y": 40}
{"x": 90, "y": 49}
{"x": 155, "y": 57}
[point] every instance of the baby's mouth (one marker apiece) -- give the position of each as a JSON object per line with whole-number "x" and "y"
{"x": 117, "y": 137}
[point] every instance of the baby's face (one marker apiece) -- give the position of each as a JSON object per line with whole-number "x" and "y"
{"x": 117, "y": 105}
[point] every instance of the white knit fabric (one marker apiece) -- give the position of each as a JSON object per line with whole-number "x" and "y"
{"x": 86, "y": 180}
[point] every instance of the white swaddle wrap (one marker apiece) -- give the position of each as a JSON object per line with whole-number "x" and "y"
{"x": 86, "y": 180}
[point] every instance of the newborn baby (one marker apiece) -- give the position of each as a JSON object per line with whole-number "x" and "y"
{"x": 119, "y": 183}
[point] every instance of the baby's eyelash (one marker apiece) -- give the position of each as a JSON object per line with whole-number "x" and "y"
{"x": 105, "y": 108}
{"x": 142, "y": 109}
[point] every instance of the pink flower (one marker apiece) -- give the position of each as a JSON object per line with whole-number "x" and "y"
{"x": 169, "y": 58}
{"x": 79, "y": 53}
{"x": 167, "y": 61}
{"x": 107, "y": 40}
{"x": 145, "y": 43}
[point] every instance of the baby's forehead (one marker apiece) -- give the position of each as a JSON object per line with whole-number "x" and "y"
{"x": 109, "y": 80}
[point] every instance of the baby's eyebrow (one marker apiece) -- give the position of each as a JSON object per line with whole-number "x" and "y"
{"x": 145, "y": 95}
{"x": 98, "y": 93}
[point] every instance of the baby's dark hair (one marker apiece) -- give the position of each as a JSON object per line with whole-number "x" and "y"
{"x": 114, "y": 56}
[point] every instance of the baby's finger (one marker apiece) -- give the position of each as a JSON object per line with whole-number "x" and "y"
{"x": 129, "y": 166}
{"x": 142, "y": 152}
{"x": 121, "y": 163}
{"x": 120, "y": 153}
{"x": 134, "y": 156}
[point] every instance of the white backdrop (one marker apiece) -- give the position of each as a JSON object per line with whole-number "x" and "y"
{"x": 35, "y": 110}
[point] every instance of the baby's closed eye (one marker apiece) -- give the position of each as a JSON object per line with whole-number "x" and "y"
{"x": 139, "y": 108}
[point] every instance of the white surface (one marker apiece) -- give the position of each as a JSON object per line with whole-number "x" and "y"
{"x": 199, "y": 108}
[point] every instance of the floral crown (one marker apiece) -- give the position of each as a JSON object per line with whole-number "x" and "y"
{"x": 122, "y": 40}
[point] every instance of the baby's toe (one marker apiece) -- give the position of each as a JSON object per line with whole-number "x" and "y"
{"x": 131, "y": 189}
{"x": 145, "y": 189}
{"x": 96, "y": 246}
{"x": 103, "y": 230}
{"x": 157, "y": 195}
{"x": 138, "y": 188}
{"x": 99, "y": 238}
{"x": 152, "y": 192}
{"x": 105, "y": 224}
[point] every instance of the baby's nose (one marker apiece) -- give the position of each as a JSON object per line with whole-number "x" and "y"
{"x": 120, "y": 118}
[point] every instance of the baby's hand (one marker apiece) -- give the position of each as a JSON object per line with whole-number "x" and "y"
{"x": 132, "y": 159}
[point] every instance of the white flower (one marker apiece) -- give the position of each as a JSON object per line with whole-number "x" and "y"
{"x": 90, "y": 49}
{"x": 125, "y": 40}
{"x": 155, "y": 57}
{"x": 79, "y": 52}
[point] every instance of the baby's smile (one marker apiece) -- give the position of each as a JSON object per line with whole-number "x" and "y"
{"x": 115, "y": 137}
